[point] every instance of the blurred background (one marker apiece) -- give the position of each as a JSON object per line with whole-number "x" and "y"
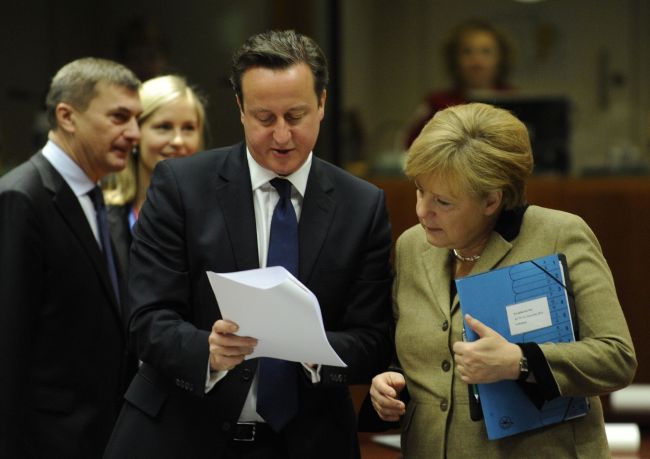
{"x": 587, "y": 62}
{"x": 384, "y": 56}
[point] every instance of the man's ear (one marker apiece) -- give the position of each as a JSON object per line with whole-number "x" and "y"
{"x": 241, "y": 108}
{"x": 493, "y": 202}
{"x": 321, "y": 104}
{"x": 65, "y": 117}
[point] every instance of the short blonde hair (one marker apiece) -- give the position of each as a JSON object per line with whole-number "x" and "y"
{"x": 121, "y": 188}
{"x": 475, "y": 148}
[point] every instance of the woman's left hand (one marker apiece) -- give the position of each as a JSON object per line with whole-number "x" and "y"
{"x": 489, "y": 359}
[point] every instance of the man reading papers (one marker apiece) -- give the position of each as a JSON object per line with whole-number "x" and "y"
{"x": 264, "y": 202}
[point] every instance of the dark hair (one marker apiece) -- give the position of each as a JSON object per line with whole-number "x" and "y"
{"x": 75, "y": 83}
{"x": 452, "y": 46}
{"x": 279, "y": 50}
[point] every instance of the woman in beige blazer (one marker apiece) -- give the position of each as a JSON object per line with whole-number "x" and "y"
{"x": 470, "y": 165}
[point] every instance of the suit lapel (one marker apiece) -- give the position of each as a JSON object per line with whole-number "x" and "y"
{"x": 316, "y": 217}
{"x": 436, "y": 266}
{"x": 495, "y": 250}
{"x": 68, "y": 206}
{"x": 235, "y": 195}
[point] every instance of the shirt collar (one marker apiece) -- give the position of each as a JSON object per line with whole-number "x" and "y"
{"x": 509, "y": 222}
{"x": 73, "y": 175}
{"x": 261, "y": 176}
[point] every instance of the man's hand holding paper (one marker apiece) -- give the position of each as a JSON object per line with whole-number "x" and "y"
{"x": 227, "y": 350}
{"x": 276, "y": 309}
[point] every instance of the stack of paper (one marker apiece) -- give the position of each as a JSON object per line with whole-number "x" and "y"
{"x": 274, "y": 307}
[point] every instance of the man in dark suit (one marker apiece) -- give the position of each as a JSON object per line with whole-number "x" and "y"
{"x": 62, "y": 341}
{"x": 195, "y": 394}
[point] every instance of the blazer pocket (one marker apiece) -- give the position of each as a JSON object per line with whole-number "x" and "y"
{"x": 54, "y": 400}
{"x": 145, "y": 395}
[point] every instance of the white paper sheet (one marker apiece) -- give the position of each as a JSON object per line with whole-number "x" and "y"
{"x": 273, "y": 306}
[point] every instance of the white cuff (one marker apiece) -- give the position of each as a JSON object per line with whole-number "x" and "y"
{"x": 314, "y": 373}
{"x": 213, "y": 377}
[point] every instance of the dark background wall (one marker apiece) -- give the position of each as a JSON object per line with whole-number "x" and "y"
{"x": 384, "y": 56}
{"x": 38, "y": 36}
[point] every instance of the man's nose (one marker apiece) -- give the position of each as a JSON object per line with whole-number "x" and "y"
{"x": 281, "y": 132}
{"x": 132, "y": 131}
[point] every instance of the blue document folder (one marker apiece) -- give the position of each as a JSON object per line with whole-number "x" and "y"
{"x": 528, "y": 302}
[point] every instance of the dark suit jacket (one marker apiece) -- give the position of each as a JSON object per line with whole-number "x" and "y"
{"x": 118, "y": 221}
{"x": 199, "y": 216}
{"x": 62, "y": 342}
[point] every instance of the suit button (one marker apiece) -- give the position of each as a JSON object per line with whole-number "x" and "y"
{"x": 225, "y": 426}
{"x": 247, "y": 374}
{"x": 445, "y": 325}
{"x": 444, "y": 405}
{"x": 446, "y": 365}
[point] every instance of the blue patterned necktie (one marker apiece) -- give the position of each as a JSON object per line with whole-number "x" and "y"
{"x": 104, "y": 236}
{"x": 277, "y": 399}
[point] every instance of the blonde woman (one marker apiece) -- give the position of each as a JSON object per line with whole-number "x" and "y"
{"x": 470, "y": 165}
{"x": 171, "y": 125}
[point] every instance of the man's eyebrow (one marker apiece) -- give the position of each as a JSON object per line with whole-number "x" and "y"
{"x": 126, "y": 110}
{"x": 298, "y": 108}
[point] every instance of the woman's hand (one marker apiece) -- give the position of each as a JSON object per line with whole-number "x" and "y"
{"x": 228, "y": 350}
{"x": 489, "y": 359}
{"x": 384, "y": 393}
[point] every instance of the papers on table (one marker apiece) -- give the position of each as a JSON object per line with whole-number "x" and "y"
{"x": 273, "y": 306}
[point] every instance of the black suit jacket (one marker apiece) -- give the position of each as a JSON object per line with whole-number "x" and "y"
{"x": 118, "y": 221}
{"x": 199, "y": 216}
{"x": 62, "y": 342}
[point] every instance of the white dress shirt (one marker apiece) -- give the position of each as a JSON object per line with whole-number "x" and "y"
{"x": 76, "y": 179}
{"x": 265, "y": 198}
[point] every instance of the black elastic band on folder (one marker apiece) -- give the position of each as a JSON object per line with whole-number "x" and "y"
{"x": 569, "y": 291}
{"x": 567, "y": 286}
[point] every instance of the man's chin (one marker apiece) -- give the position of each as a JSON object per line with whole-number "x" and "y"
{"x": 118, "y": 163}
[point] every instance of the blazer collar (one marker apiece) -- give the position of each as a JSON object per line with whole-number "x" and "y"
{"x": 437, "y": 266}
{"x": 509, "y": 222}
{"x": 438, "y": 262}
{"x": 235, "y": 196}
{"x": 70, "y": 210}
{"x": 317, "y": 214}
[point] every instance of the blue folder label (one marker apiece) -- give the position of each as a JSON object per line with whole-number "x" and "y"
{"x": 528, "y": 316}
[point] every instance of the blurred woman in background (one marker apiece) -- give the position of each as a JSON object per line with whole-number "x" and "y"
{"x": 478, "y": 58}
{"x": 172, "y": 124}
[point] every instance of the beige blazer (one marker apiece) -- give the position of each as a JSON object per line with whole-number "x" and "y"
{"x": 437, "y": 422}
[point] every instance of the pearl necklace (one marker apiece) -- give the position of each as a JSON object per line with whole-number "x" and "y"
{"x": 471, "y": 259}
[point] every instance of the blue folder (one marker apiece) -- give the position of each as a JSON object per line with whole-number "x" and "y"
{"x": 508, "y": 300}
